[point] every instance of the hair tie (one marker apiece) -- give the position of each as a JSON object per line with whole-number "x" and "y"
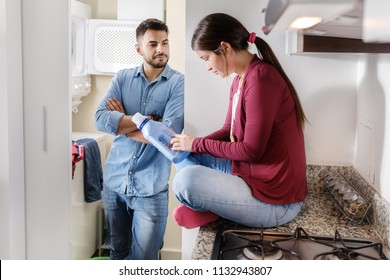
{"x": 252, "y": 37}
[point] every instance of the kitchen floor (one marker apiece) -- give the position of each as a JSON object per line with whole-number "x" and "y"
{"x": 103, "y": 254}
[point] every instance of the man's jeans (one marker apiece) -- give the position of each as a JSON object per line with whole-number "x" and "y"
{"x": 204, "y": 183}
{"x": 136, "y": 224}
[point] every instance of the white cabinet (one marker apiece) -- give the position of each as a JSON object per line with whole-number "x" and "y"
{"x": 47, "y": 127}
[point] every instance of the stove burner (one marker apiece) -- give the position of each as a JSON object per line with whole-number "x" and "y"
{"x": 263, "y": 251}
{"x": 329, "y": 257}
{"x": 346, "y": 252}
{"x": 338, "y": 247}
{"x": 339, "y": 254}
{"x": 234, "y": 244}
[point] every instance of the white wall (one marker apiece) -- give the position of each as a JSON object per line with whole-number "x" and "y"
{"x": 337, "y": 91}
{"x": 326, "y": 85}
{"x": 4, "y": 172}
{"x": 176, "y": 24}
{"x": 12, "y": 210}
{"x": 372, "y": 110}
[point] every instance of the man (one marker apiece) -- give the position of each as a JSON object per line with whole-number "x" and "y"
{"x": 136, "y": 174}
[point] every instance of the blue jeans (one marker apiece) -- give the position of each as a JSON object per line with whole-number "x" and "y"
{"x": 136, "y": 225}
{"x": 204, "y": 183}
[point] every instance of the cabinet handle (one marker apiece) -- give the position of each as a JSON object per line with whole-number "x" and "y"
{"x": 44, "y": 128}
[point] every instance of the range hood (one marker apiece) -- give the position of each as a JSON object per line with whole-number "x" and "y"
{"x": 366, "y": 20}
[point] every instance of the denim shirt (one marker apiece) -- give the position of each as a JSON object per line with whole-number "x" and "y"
{"x": 134, "y": 168}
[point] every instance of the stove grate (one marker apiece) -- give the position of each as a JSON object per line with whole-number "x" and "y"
{"x": 258, "y": 244}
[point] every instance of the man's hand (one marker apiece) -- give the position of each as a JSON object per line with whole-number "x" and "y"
{"x": 113, "y": 104}
{"x": 137, "y": 136}
{"x": 126, "y": 125}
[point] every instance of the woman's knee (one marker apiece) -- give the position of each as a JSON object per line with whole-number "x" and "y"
{"x": 184, "y": 180}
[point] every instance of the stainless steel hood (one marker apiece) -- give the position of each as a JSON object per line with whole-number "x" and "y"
{"x": 358, "y": 19}
{"x": 338, "y": 18}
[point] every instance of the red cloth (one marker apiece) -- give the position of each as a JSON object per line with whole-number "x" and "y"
{"x": 269, "y": 152}
{"x": 77, "y": 155}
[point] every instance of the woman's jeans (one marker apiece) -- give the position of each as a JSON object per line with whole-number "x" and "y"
{"x": 136, "y": 224}
{"x": 204, "y": 183}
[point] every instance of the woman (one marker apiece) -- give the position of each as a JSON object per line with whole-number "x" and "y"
{"x": 260, "y": 147}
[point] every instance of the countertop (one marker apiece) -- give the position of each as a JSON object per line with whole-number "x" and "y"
{"x": 319, "y": 216}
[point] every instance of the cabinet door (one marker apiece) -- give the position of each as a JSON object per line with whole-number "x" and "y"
{"x": 47, "y": 115}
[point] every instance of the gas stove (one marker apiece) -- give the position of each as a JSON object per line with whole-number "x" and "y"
{"x": 257, "y": 244}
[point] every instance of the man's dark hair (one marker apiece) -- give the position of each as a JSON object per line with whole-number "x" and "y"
{"x": 151, "y": 23}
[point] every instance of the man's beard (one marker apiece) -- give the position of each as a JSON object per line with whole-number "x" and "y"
{"x": 157, "y": 64}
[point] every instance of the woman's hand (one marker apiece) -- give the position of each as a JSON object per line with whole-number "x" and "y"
{"x": 182, "y": 142}
{"x": 113, "y": 104}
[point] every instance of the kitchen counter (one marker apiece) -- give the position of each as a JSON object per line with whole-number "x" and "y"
{"x": 319, "y": 215}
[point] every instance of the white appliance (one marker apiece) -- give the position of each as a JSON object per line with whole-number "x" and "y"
{"x": 103, "y": 47}
{"x": 84, "y": 232}
{"x": 111, "y": 46}
{"x": 81, "y": 81}
{"x": 99, "y": 47}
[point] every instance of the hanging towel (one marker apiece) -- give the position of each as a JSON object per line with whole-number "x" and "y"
{"x": 77, "y": 155}
{"x": 93, "y": 174}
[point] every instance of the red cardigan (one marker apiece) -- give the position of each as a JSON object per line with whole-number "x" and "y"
{"x": 269, "y": 152}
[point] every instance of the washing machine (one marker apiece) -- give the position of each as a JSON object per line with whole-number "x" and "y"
{"x": 84, "y": 229}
